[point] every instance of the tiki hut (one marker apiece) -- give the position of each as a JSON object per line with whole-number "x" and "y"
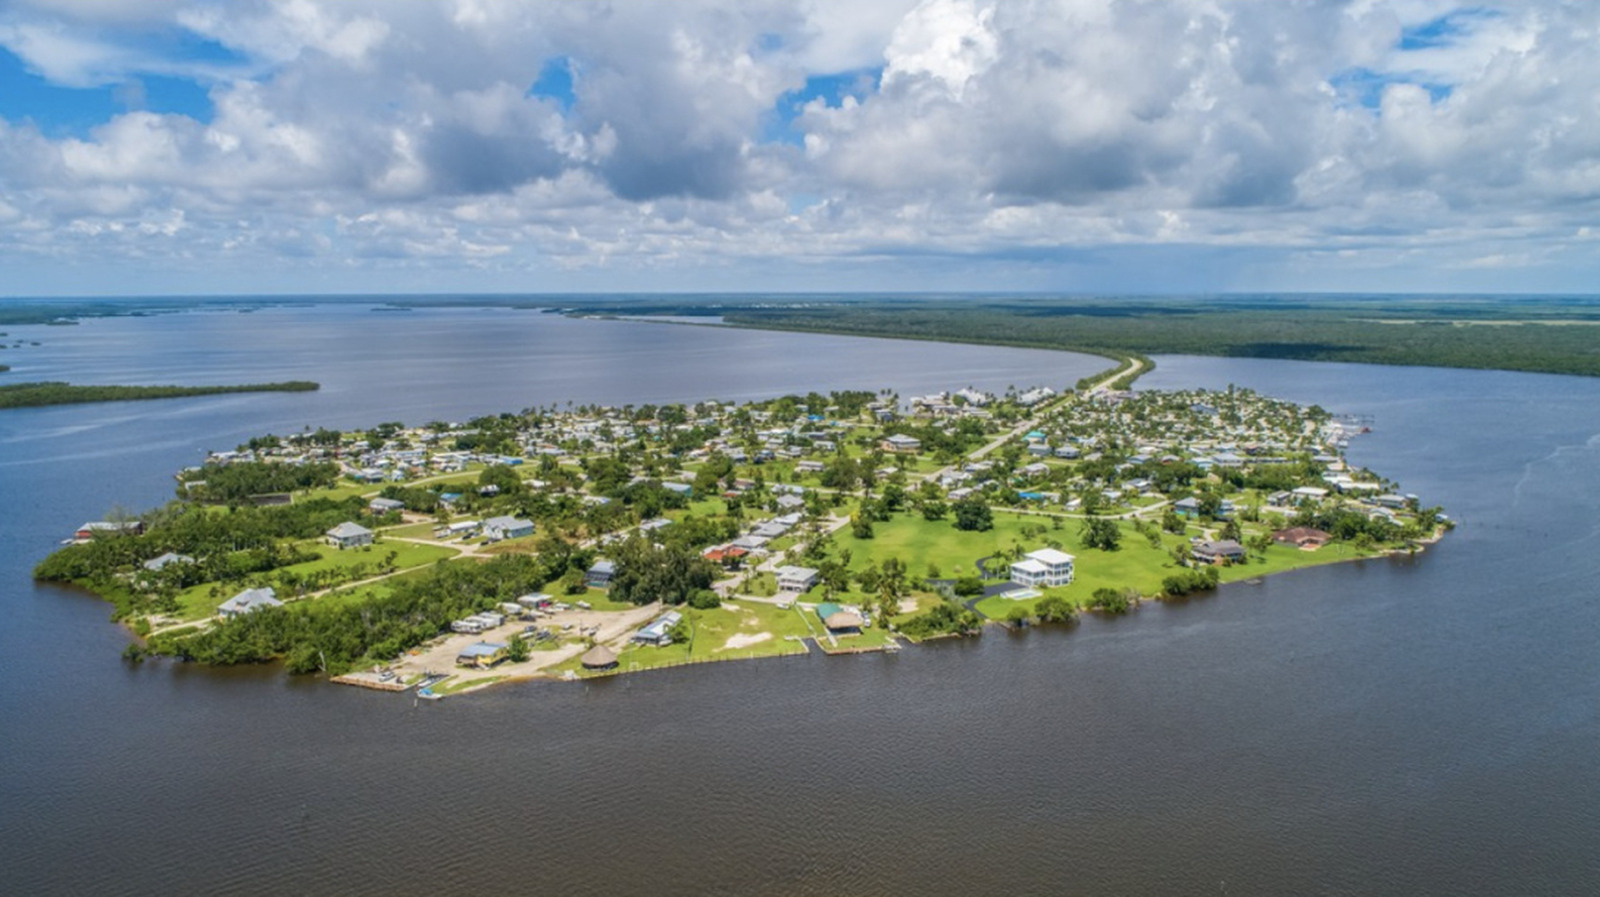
{"x": 598, "y": 658}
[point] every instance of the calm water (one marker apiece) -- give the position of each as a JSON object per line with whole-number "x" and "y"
{"x": 1423, "y": 726}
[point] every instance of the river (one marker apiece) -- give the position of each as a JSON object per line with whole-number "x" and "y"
{"x": 1421, "y": 726}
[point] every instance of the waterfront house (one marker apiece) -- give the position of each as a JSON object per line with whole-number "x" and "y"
{"x": 105, "y": 527}
{"x": 481, "y": 654}
{"x": 659, "y": 632}
{"x": 599, "y": 576}
{"x": 1302, "y": 537}
{"x": 248, "y": 602}
{"x": 349, "y": 535}
{"x": 1225, "y": 551}
{"x": 507, "y": 527}
{"x": 1045, "y": 567}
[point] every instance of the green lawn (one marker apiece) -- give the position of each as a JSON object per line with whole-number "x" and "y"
{"x": 199, "y": 601}
{"x": 1134, "y": 565}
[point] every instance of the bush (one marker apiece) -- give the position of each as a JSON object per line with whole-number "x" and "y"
{"x": 1189, "y": 581}
{"x": 968, "y": 586}
{"x": 1111, "y": 601}
{"x": 704, "y": 599}
{"x": 1055, "y": 609}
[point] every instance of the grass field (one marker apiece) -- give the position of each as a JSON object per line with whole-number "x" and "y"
{"x": 199, "y": 601}
{"x": 1135, "y": 564}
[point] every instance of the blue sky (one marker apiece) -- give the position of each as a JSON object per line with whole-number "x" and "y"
{"x": 1096, "y": 145}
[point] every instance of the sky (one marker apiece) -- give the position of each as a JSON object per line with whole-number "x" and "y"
{"x": 1073, "y": 146}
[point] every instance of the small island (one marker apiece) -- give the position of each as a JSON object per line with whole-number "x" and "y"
{"x": 34, "y": 395}
{"x": 577, "y": 542}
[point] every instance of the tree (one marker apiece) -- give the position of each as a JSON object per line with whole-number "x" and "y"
{"x": 861, "y": 525}
{"x": 973, "y": 514}
{"x": 1172, "y": 522}
{"x": 1101, "y": 533}
{"x": 934, "y": 509}
{"x": 516, "y": 650}
{"x": 1055, "y": 609}
{"x": 1111, "y": 601}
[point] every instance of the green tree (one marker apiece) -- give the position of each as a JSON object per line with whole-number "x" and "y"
{"x": 1101, "y": 533}
{"x": 973, "y": 514}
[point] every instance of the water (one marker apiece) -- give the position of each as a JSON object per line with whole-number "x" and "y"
{"x": 1420, "y": 725}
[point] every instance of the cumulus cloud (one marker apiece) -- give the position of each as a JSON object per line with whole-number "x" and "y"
{"x": 702, "y": 136}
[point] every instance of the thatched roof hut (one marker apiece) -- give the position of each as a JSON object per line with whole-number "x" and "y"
{"x": 843, "y": 621}
{"x": 598, "y": 658}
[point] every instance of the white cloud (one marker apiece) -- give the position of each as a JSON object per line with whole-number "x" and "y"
{"x": 371, "y": 133}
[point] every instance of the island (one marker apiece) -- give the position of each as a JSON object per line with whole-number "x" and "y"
{"x": 590, "y": 541}
{"x": 34, "y": 395}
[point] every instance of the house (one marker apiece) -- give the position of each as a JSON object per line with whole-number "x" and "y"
{"x": 1187, "y": 507}
{"x": 507, "y": 527}
{"x": 248, "y": 602}
{"x": 170, "y": 557}
{"x": 1035, "y": 396}
{"x": 1302, "y": 537}
{"x": 534, "y": 600}
{"x": 683, "y": 489}
{"x": 599, "y": 576}
{"x": 1045, "y": 567}
{"x": 900, "y": 443}
{"x": 790, "y": 502}
{"x": 1067, "y": 452}
{"x": 349, "y": 535}
{"x": 385, "y": 505}
{"x": 727, "y": 555}
{"x": 659, "y": 632}
{"x": 481, "y": 654}
{"x": 795, "y": 579}
{"x": 809, "y": 467}
{"x": 840, "y": 620}
{"x": 104, "y": 527}
{"x": 1225, "y": 551}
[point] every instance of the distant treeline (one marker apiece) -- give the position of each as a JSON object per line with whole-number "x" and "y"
{"x": 1504, "y": 337}
{"x": 30, "y": 395}
{"x": 1551, "y": 334}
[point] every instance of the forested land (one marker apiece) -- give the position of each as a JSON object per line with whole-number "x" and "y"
{"x": 32, "y": 395}
{"x": 1545, "y": 334}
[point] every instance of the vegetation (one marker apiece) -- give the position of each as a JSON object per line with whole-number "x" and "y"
{"x": 31, "y": 395}
{"x": 1550, "y": 334}
{"x": 336, "y": 637}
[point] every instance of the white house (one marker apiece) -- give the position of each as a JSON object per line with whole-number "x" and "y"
{"x": 1045, "y": 567}
{"x": 900, "y": 443}
{"x": 349, "y": 535}
{"x": 249, "y": 601}
{"x": 507, "y": 527}
{"x": 795, "y": 579}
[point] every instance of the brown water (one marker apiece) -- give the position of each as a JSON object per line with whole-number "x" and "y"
{"x": 1417, "y": 726}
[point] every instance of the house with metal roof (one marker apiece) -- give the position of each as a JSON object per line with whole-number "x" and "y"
{"x": 507, "y": 527}
{"x": 248, "y": 602}
{"x": 659, "y": 631}
{"x": 349, "y": 535}
{"x": 481, "y": 654}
